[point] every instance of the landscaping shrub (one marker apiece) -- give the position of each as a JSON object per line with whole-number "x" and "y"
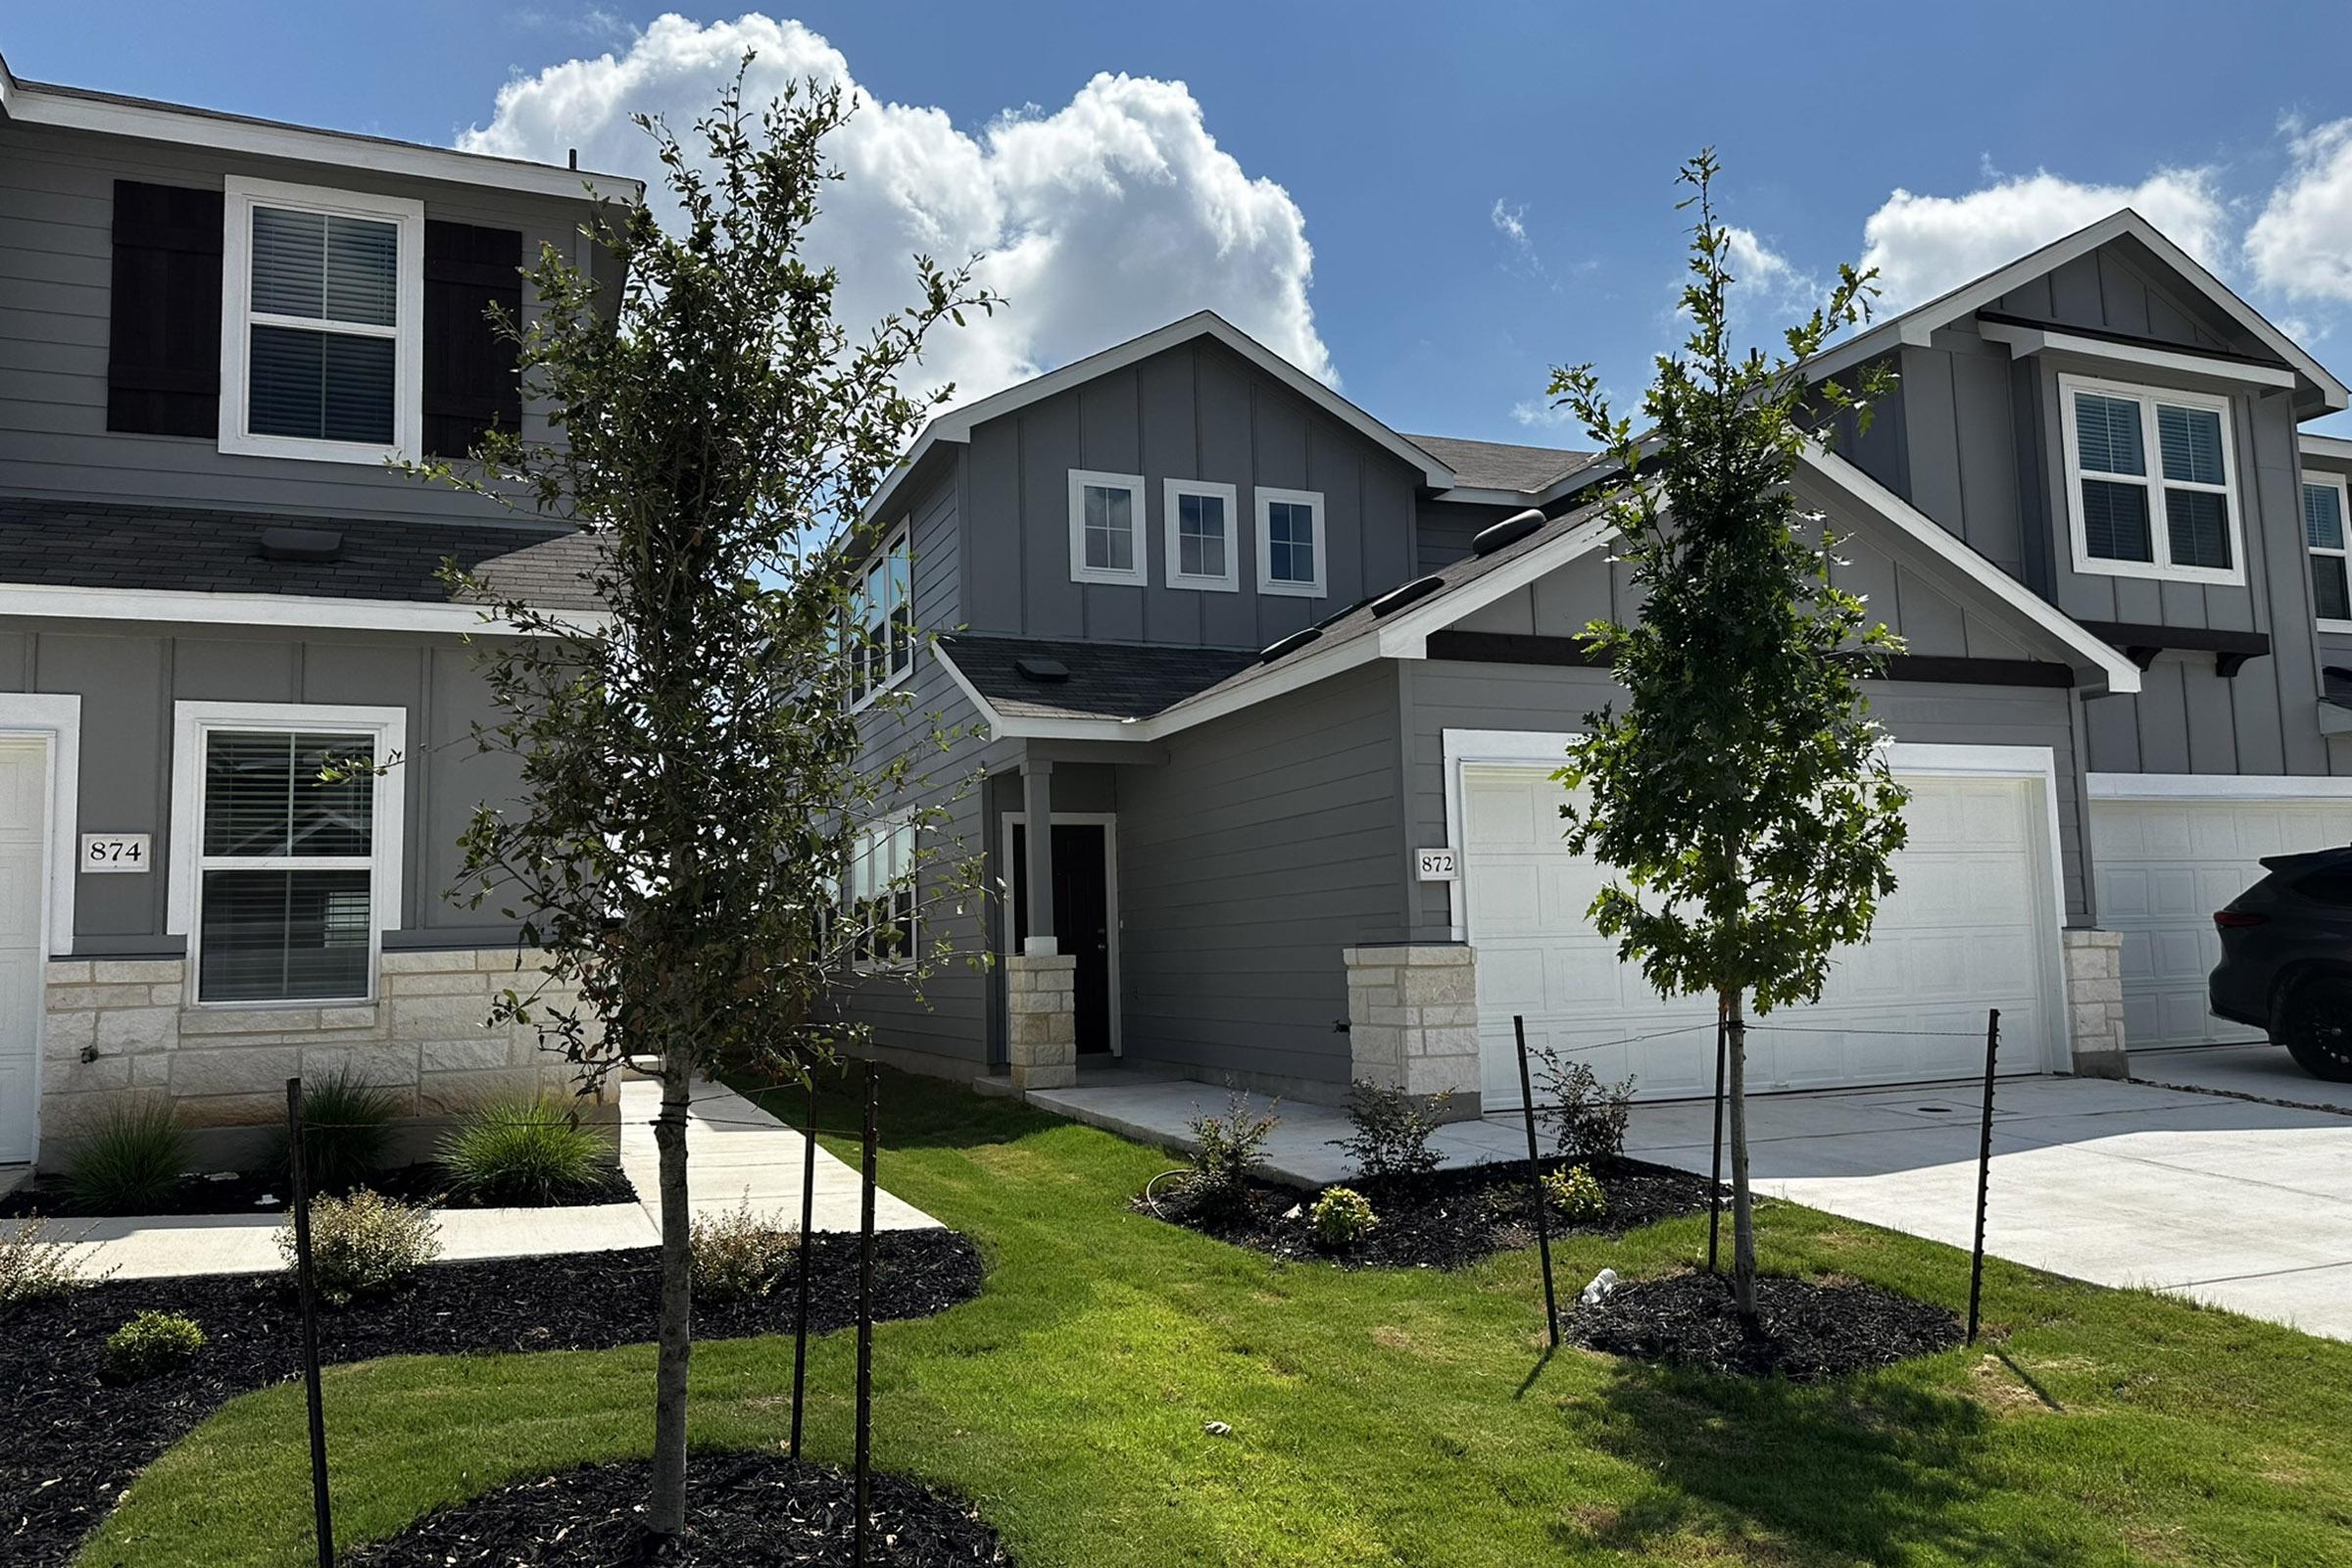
{"x": 129, "y": 1161}
{"x": 36, "y": 1265}
{"x": 1229, "y": 1146}
{"x": 525, "y": 1151}
{"x": 364, "y": 1243}
{"x": 150, "y": 1345}
{"x": 1588, "y": 1119}
{"x": 1341, "y": 1217}
{"x": 740, "y": 1256}
{"x": 1392, "y": 1130}
{"x": 1577, "y": 1193}
{"x": 347, "y": 1126}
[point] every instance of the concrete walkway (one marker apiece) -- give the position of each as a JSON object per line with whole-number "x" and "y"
{"x": 735, "y": 1152}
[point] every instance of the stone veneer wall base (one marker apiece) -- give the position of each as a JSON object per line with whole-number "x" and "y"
{"x": 1041, "y": 1021}
{"x": 1412, "y": 1022}
{"x": 2094, "y": 1001}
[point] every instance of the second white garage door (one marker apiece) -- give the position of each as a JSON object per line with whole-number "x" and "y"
{"x": 1970, "y": 928}
{"x": 2161, "y": 867}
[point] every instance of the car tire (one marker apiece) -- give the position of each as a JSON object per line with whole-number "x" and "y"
{"x": 2315, "y": 1024}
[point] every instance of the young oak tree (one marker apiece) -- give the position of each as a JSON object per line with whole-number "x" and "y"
{"x": 1742, "y": 794}
{"x": 691, "y": 779}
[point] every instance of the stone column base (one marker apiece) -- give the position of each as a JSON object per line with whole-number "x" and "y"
{"x": 1412, "y": 1020}
{"x": 2094, "y": 1001}
{"x": 1041, "y": 1021}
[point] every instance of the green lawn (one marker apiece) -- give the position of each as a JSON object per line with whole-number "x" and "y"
{"x": 1378, "y": 1418}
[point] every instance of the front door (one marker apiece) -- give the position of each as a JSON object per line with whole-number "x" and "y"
{"x": 23, "y": 866}
{"x": 1081, "y": 916}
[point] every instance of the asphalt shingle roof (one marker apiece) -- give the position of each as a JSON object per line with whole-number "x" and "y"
{"x": 73, "y": 544}
{"x": 1107, "y": 680}
{"x": 1496, "y": 465}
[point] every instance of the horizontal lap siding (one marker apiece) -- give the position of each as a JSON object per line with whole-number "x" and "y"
{"x": 1266, "y": 843}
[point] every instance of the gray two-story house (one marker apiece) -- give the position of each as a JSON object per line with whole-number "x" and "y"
{"x": 1268, "y": 695}
{"x": 216, "y": 334}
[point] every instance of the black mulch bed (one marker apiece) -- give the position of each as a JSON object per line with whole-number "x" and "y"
{"x": 1805, "y": 1329}
{"x": 1449, "y": 1219}
{"x": 743, "y": 1511}
{"x": 74, "y": 1442}
{"x": 266, "y": 1193}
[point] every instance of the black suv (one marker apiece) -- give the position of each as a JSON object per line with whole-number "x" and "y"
{"x": 2286, "y": 959}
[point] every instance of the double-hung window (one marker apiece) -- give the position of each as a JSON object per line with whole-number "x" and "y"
{"x": 880, "y": 906}
{"x": 2151, "y": 487}
{"x": 322, "y": 329}
{"x": 1290, "y": 556}
{"x": 882, "y": 620}
{"x": 1106, "y": 527}
{"x": 1197, "y": 519}
{"x": 2327, "y": 522}
{"x": 285, "y": 848}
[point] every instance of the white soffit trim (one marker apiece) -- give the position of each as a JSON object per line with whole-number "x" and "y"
{"x": 2026, "y": 340}
{"x": 34, "y": 103}
{"x": 2123, "y": 676}
{"x": 2325, "y": 446}
{"x": 264, "y": 609}
{"x": 956, "y": 423}
{"x": 2215, "y": 787}
{"x": 1917, "y": 325}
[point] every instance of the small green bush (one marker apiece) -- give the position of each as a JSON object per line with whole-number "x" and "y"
{"x": 1341, "y": 1217}
{"x": 149, "y": 1346}
{"x": 129, "y": 1161}
{"x": 523, "y": 1152}
{"x": 740, "y": 1256}
{"x": 1587, "y": 1117}
{"x": 1392, "y": 1130}
{"x": 1229, "y": 1147}
{"x": 35, "y": 1266}
{"x": 347, "y": 1126}
{"x": 363, "y": 1244}
{"x": 1577, "y": 1193}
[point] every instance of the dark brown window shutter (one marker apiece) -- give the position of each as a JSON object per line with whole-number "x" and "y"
{"x": 163, "y": 360}
{"x": 469, "y": 375}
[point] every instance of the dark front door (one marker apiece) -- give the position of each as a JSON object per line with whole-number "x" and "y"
{"x": 1081, "y": 916}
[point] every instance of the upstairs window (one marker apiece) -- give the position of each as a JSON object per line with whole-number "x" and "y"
{"x": 882, "y": 620}
{"x": 2150, "y": 484}
{"x": 2326, "y": 519}
{"x": 1197, "y": 519}
{"x": 1290, "y": 543}
{"x": 1106, "y": 527}
{"x": 322, "y": 324}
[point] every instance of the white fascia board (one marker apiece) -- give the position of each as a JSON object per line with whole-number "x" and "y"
{"x": 2325, "y": 446}
{"x": 31, "y": 104}
{"x": 267, "y": 609}
{"x": 2215, "y": 787}
{"x": 2026, "y": 340}
{"x": 1850, "y": 482}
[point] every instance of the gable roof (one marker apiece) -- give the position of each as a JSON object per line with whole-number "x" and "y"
{"x": 1500, "y": 465}
{"x": 956, "y": 425}
{"x": 1916, "y": 325}
{"x": 1102, "y": 680}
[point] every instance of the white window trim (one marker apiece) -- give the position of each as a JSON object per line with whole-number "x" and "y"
{"x": 2343, "y": 504}
{"x": 1266, "y": 584}
{"x": 191, "y": 723}
{"x": 860, "y": 842}
{"x": 903, "y": 534}
{"x": 2153, "y": 481}
{"x": 237, "y": 318}
{"x": 1171, "y": 520}
{"x": 1133, "y": 483}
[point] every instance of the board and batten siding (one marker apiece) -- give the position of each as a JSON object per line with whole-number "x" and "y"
{"x": 1196, "y": 410}
{"x": 128, "y": 679}
{"x": 55, "y": 247}
{"x": 1266, "y": 843}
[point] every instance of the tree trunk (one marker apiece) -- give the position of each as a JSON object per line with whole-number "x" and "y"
{"x": 665, "y": 1506}
{"x": 1744, "y": 1230}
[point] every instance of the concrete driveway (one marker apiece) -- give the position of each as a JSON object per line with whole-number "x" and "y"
{"x": 2244, "y": 1204}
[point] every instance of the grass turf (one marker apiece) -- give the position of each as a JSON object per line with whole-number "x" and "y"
{"x": 1383, "y": 1417}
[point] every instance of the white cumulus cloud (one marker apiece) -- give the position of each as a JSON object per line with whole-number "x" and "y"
{"x": 1112, "y": 215}
{"x": 2301, "y": 242}
{"x": 1924, "y": 245}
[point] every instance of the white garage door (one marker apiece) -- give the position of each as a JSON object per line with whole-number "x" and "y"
{"x": 1970, "y": 928}
{"x": 2161, "y": 868}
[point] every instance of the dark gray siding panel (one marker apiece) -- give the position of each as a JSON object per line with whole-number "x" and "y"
{"x": 1192, "y": 411}
{"x": 1268, "y": 841}
{"x": 55, "y": 251}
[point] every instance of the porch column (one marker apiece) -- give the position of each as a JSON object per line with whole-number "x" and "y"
{"x": 1041, "y": 983}
{"x": 1037, "y": 873}
{"x": 2094, "y": 1001}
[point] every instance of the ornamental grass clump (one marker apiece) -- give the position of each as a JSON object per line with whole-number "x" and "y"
{"x": 364, "y": 1245}
{"x": 740, "y": 1256}
{"x": 129, "y": 1161}
{"x": 523, "y": 1152}
{"x": 149, "y": 1346}
{"x": 346, "y": 1130}
{"x": 1577, "y": 1193}
{"x": 1340, "y": 1218}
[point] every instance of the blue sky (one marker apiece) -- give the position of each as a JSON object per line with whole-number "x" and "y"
{"x": 1486, "y": 188}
